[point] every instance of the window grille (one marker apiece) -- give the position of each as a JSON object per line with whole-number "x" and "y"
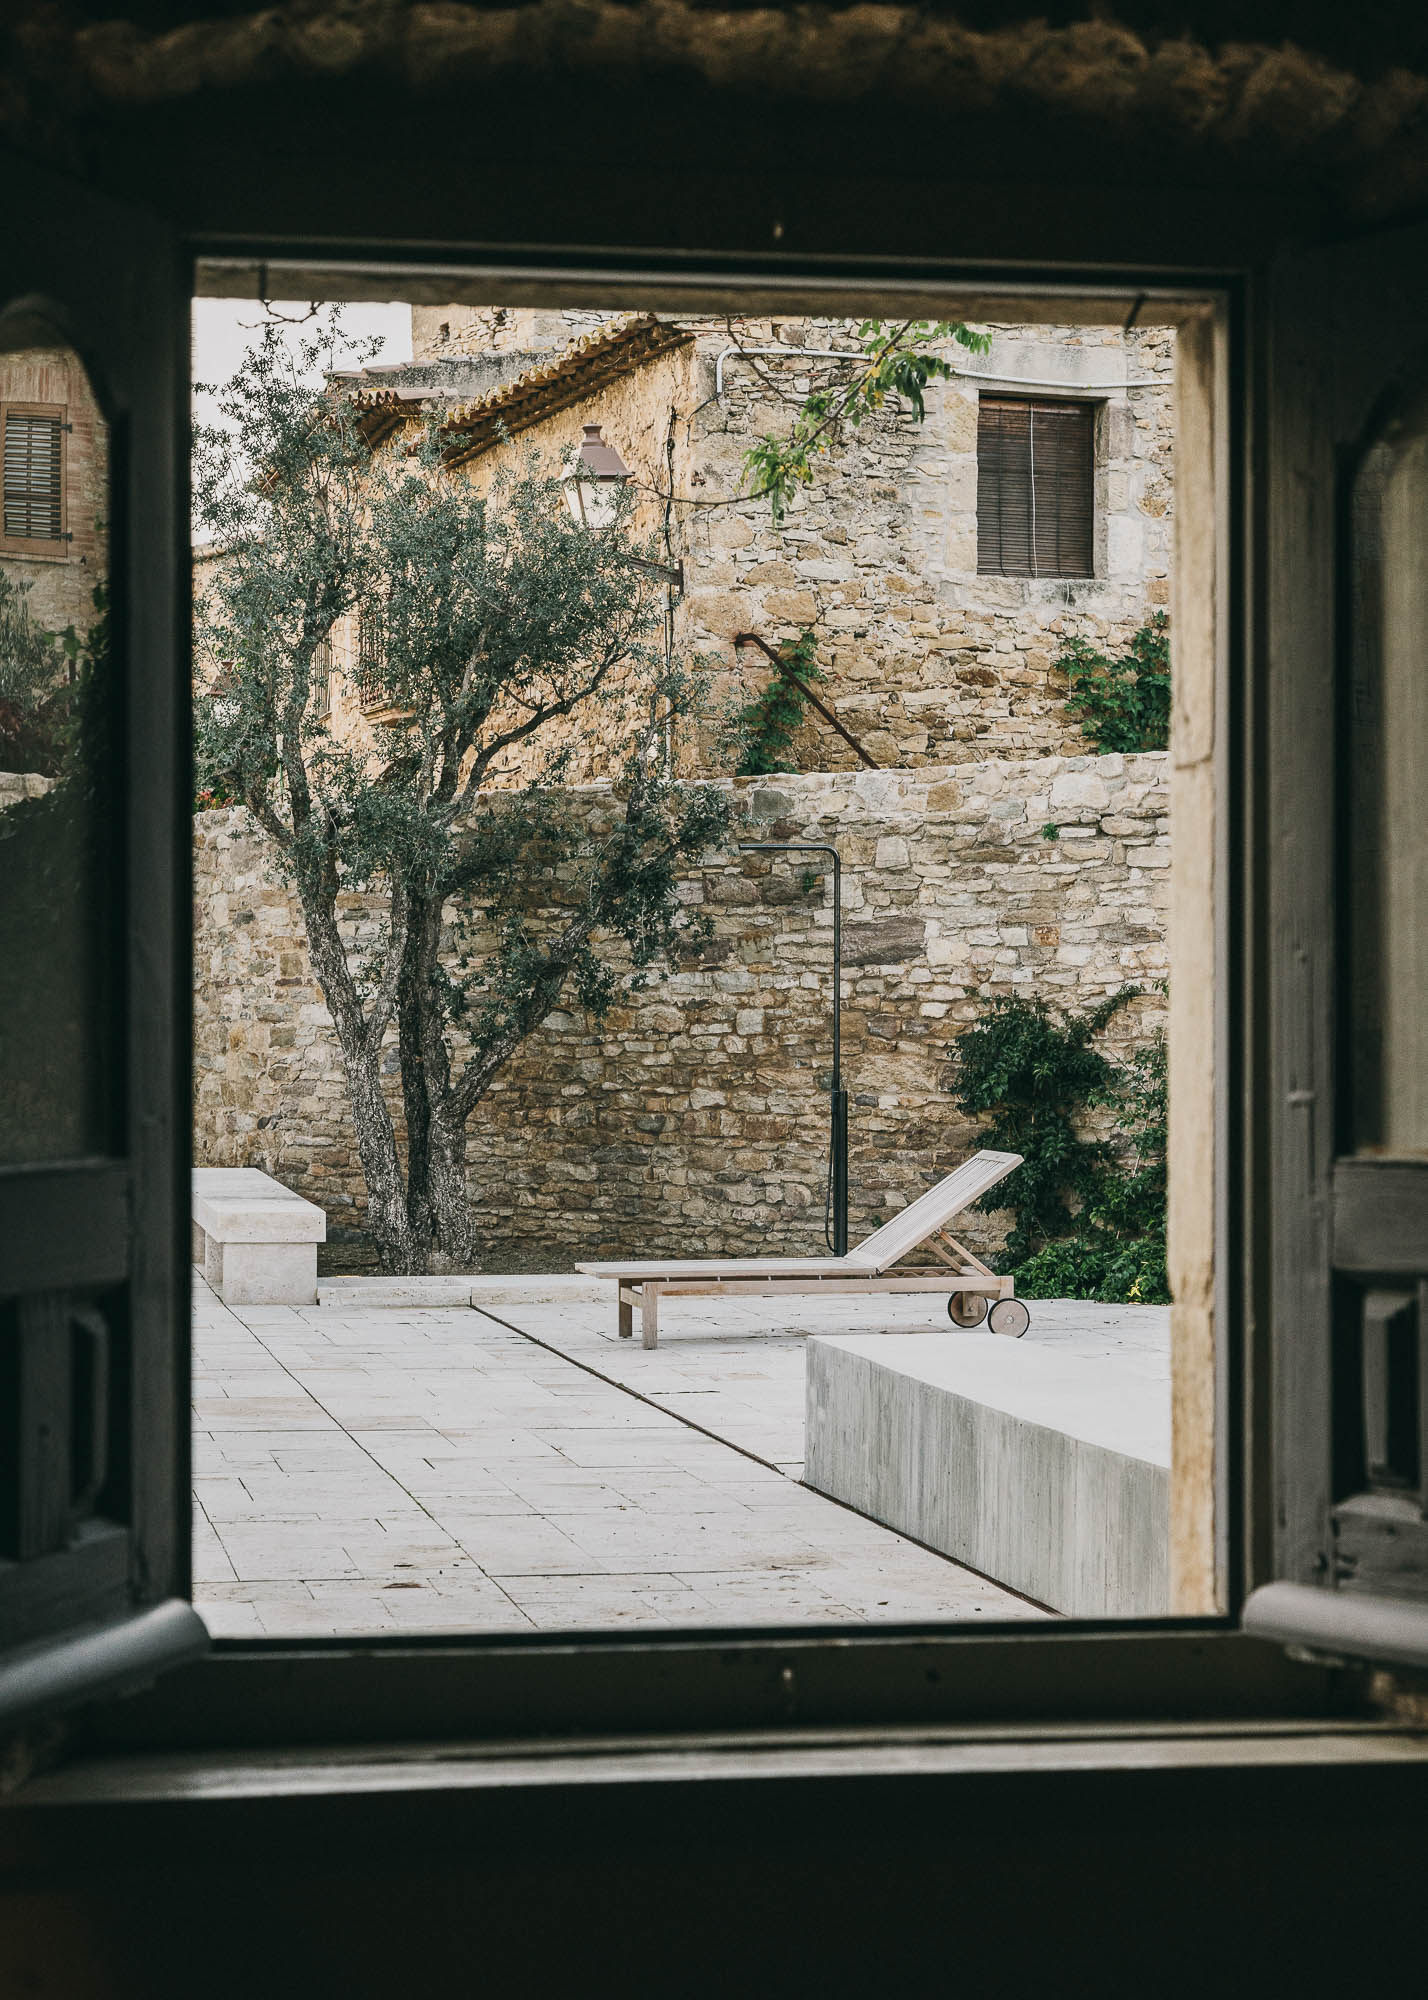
{"x": 34, "y": 494}
{"x": 1035, "y": 487}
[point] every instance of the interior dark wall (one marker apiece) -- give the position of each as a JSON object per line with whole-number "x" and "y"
{"x": 1144, "y": 1883}
{"x": 1373, "y": 36}
{"x": 1270, "y": 1880}
{"x": 570, "y": 127}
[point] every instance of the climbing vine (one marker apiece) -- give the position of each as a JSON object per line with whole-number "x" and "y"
{"x": 1088, "y": 1216}
{"x": 1122, "y": 704}
{"x": 767, "y": 725}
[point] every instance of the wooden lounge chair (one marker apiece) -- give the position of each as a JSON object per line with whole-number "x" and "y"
{"x": 869, "y": 1268}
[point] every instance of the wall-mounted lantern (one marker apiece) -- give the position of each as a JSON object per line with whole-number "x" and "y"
{"x": 593, "y": 483}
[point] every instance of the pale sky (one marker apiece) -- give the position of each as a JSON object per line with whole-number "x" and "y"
{"x": 224, "y": 328}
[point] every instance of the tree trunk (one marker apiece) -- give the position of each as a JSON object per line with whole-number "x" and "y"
{"x": 449, "y": 1201}
{"x": 415, "y": 1098}
{"x": 398, "y": 1251}
{"x": 437, "y": 1203}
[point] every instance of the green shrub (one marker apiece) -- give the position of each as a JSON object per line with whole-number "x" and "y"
{"x": 1122, "y": 704}
{"x": 1088, "y": 1218}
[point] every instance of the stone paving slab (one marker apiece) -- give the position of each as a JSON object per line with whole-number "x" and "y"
{"x": 735, "y": 1365}
{"x": 365, "y": 1470}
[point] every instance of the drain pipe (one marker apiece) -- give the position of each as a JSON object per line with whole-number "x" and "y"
{"x": 736, "y": 353}
{"x": 814, "y": 353}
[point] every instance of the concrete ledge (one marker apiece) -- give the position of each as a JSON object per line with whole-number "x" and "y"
{"x": 255, "y": 1240}
{"x": 514, "y": 1288}
{"x": 362, "y": 1294}
{"x": 1045, "y": 1465}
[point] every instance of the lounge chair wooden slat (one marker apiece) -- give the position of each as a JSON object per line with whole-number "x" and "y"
{"x": 869, "y": 1268}
{"x": 932, "y": 1211}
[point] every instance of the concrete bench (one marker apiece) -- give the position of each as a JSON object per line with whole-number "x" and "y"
{"x": 255, "y": 1240}
{"x": 1044, "y": 1463}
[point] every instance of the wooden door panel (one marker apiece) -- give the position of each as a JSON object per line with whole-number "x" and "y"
{"x": 94, "y": 914}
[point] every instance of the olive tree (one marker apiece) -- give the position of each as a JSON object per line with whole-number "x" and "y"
{"x": 496, "y": 630}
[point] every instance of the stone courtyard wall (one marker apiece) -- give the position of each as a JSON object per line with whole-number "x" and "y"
{"x": 694, "y": 1119}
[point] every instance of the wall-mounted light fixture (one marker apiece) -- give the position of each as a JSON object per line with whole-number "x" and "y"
{"x": 593, "y": 483}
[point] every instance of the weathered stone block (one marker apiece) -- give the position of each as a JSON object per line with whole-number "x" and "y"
{"x": 793, "y": 607}
{"x": 883, "y": 941}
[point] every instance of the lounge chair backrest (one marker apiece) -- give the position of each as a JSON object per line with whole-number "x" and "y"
{"x": 932, "y": 1211}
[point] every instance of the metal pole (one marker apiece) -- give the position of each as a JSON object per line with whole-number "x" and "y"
{"x": 838, "y": 1125}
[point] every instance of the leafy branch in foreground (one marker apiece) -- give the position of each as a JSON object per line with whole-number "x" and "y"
{"x": 893, "y": 360}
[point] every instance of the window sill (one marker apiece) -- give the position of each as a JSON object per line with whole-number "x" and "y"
{"x": 45, "y": 552}
{"x": 270, "y": 1696}
{"x": 950, "y": 1757}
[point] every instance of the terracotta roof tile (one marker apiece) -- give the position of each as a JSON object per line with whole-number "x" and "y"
{"x": 567, "y": 378}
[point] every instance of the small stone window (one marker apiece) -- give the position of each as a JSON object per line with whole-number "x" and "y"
{"x": 1036, "y": 469}
{"x": 34, "y": 493}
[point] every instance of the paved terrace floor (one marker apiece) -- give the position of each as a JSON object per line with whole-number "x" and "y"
{"x": 362, "y": 1469}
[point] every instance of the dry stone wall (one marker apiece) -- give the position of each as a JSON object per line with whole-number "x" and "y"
{"x": 694, "y": 1118}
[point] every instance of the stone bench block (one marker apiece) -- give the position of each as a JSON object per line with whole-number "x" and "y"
{"x": 1045, "y": 1467}
{"x": 255, "y": 1239}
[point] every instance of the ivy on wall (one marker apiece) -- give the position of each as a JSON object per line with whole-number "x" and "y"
{"x": 1088, "y": 1216}
{"x": 768, "y": 724}
{"x": 1122, "y": 704}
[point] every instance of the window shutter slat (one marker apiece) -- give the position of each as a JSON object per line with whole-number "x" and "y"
{"x": 32, "y": 508}
{"x": 1003, "y": 488}
{"x": 1064, "y": 485}
{"x": 1035, "y": 487}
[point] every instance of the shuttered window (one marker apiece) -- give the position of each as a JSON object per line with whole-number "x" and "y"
{"x": 1035, "y": 487}
{"x": 369, "y": 658}
{"x": 34, "y": 476}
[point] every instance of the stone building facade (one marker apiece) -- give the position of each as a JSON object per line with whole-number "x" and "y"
{"x": 697, "y": 1113}
{"x": 929, "y": 659}
{"x": 52, "y": 429}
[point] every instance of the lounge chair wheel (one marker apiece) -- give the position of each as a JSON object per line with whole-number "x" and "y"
{"x": 1009, "y": 1316}
{"x": 966, "y": 1308}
